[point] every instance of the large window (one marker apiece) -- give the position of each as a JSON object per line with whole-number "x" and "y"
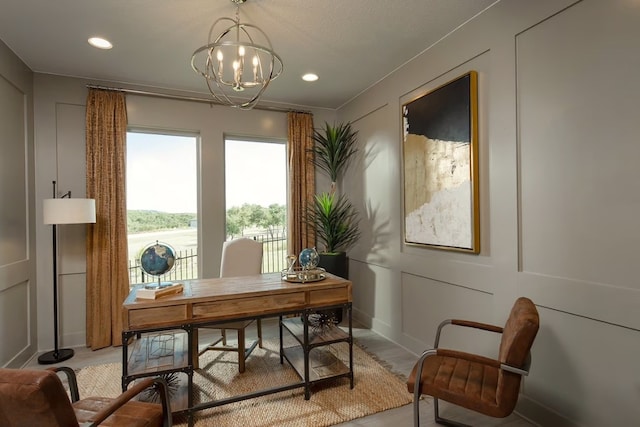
{"x": 162, "y": 187}
{"x": 256, "y": 196}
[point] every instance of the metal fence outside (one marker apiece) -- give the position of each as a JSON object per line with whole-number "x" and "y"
{"x": 274, "y": 251}
{"x": 274, "y": 259}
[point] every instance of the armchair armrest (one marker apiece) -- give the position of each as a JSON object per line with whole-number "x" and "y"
{"x": 474, "y": 358}
{"x": 465, "y": 323}
{"x": 158, "y": 383}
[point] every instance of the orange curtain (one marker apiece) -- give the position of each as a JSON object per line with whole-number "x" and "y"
{"x": 107, "y": 269}
{"x": 301, "y": 181}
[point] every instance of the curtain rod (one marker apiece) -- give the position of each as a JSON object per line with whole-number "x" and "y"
{"x": 188, "y": 98}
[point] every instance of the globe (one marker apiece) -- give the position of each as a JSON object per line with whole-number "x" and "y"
{"x": 308, "y": 258}
{"x": 157, "y": 259}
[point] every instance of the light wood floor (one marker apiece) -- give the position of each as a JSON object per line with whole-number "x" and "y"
{"x": 395, "y": 358}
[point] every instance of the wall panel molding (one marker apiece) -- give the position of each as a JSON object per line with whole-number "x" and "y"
{"x": 577, "y": 162}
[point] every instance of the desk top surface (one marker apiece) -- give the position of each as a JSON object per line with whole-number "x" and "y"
{"x": 225, "y": 288}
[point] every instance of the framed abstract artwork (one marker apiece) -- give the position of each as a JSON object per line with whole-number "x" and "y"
{"x": 440, "y": 167}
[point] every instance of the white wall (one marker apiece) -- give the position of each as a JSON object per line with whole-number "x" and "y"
{"x": 17, "y": 250}
{"x": 559, "y": 202}
{"x": 60, "y": 141}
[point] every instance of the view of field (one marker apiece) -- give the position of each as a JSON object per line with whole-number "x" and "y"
{"x": 180, "y": 240}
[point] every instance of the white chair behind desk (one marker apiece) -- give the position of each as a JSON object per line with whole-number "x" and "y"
{"x": 240, "y": 257}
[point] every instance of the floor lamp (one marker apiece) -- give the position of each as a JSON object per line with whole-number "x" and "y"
{"x": 56, "y": 211}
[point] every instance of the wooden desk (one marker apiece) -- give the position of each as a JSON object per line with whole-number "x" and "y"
{"x": 210, "y": 301}
{"x": 232, "y": 298}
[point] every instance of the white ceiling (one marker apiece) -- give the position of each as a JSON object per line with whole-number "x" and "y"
{"x": 350, "y": 44}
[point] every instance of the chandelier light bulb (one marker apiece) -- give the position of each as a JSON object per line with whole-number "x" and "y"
{"x": 256, "y": 61}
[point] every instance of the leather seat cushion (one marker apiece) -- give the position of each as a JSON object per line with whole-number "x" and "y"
{"x": 131, "y": 414}
{"x": 464, "y": 383}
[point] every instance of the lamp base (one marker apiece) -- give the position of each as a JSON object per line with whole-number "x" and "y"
{"x": 55, "y": 356}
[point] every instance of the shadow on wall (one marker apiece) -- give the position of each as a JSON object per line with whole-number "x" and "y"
{"x": 555, "y": 366}
{"x": 377, "y": 234}
{"x": 364, "y": 293}
{"x": 374, "y": 232}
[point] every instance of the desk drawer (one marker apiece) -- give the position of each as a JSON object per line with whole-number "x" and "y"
{"x": 329, "y": 296}
{"x": 248, "y": 306}
{"x": 157, "y": 316}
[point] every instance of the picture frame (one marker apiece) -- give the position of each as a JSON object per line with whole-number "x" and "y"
{"x": 440, "y": 167}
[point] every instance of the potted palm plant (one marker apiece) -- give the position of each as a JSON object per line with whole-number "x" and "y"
{"x": 334, "y": 217}
{"x": 336, "y": 223}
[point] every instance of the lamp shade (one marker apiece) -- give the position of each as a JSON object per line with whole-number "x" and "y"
{"x": 69, "y": 211}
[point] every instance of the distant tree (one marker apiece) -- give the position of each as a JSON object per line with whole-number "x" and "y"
{"x": 139, "y": 221}
{"x": 248, "y": 215}
{"x": 274, "y": 218}
{"x": 237, "y": 221}
{"x": 233, "y": 227}
{"x": 255, "y": 214}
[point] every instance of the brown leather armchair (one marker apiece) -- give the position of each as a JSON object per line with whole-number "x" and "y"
{"x": 38, "y": 398}
{"x": 485, "y": 385}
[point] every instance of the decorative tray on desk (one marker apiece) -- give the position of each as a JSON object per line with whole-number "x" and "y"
{"x": 303, "y": 275}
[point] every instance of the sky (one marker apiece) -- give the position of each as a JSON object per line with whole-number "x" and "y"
{"x": 255, "y": 172}
{"x": 162, "y": 173}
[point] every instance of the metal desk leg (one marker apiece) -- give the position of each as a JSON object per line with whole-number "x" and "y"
{"x": 194, "y": 348}
{"x": 191, "y": 354}
{"x": 125, "y": 359}
{"x": 306, "y": 351}
{"x": 350, "y": 313}
{"x": 281, "y": 344}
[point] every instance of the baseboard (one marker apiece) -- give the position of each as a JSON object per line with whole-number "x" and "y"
{"x": 541, "y": 415}
{"x": 361, "y": 317}
{"x": 75, "y": 339}
{"x": 381, "y": 328}
{"x": 21, "y": 359}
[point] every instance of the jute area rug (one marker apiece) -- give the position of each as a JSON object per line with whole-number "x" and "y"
{"x": 332, "y": 402}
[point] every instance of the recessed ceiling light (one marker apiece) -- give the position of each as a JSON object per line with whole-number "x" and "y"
{"x": 310, "y": 77}
{"x": 100, "y": 43}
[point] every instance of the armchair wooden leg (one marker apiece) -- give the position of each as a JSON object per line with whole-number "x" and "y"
{"x": 259, "y": 326}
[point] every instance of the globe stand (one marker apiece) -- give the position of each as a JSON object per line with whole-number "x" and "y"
{"x": 158, "y": 285}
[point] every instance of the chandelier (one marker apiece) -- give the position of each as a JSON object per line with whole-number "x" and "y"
{"x": 238, "y": 63}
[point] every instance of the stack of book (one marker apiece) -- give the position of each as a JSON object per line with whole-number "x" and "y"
{"x": 157, "y": 292}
